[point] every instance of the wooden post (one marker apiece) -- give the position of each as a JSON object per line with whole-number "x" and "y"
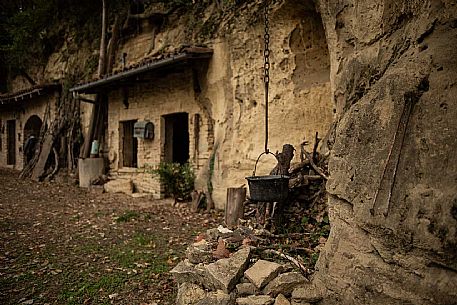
{"x": 38, "y": 170}
{"x": 234, "y": 208}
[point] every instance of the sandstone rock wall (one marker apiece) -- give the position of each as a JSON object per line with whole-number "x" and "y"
{"x": 393, "y": 164}
{"x": 300, "y": 102}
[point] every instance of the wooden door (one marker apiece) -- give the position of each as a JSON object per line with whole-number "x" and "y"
{"x": 129, "y": 145}
{"x": 11, "y": 142}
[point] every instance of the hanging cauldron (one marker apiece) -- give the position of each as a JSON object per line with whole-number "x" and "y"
{"x": 271, "y": 188}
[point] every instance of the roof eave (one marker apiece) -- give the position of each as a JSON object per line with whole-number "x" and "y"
{"x": 28, "y": 93}
{"x": 93, "y": 87}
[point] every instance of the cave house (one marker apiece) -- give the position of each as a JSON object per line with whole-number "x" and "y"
{"x": 22, "y": 115}
{"x": 171, "y": 102}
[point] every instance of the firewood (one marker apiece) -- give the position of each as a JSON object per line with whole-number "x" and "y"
{"x": 284, "y": 158}
{"x": 316, "y": 144}
{"x": 297, "y": 167}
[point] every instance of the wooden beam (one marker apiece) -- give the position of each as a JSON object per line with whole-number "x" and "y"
{"x": 86, "y": 100}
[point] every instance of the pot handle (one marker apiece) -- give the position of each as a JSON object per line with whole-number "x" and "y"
{"x": 264, "y": 153}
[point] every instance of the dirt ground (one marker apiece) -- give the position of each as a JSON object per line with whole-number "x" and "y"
{"x": 64, "y": 245}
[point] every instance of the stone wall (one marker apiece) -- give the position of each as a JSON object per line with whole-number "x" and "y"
{"x": 21, "y": 113}
{"x": 150, "y": 101}
{"x": 211, "y": 274}
{"x": 393, "y": 165}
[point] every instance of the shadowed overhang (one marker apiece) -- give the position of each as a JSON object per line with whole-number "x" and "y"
{"x": 29, "y": 93}
{"x": 114, "y": 80}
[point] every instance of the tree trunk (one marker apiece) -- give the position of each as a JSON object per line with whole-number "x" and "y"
{"x": 112, "y": 44}
{"x": 101, "y": 59}
{"x": 100, "y": 72}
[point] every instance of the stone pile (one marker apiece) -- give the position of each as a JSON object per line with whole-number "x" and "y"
{"x": 222, "y": 267}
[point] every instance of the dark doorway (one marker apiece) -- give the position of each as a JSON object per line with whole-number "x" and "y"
{"x": 31, "y": 136}
{"x": 176, "y": 145}
{"x": 11, "y": 142}
{"x": 129, "y": 145}
{"x": 32, "y": 127}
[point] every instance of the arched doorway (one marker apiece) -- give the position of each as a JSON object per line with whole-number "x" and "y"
{"x": 31, "y": 134}
{"x": 32, "y": 127}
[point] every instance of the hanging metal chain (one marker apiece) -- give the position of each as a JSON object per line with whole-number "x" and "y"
{"x": 266, "y": 68}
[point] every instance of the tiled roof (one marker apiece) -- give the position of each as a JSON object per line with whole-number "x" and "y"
{"x": 28, "y": 93}
{"x": 148, "y": 64}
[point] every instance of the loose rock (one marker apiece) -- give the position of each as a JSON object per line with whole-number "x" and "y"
{"x": 225, "y": 273}
{"x": 189, "y": 294}
{"x": 308, "y": 293}
{"x": 262, "y": 272}
{"x": 199, "y": 252}
{"x": 185, "y": 272}
{"x": 281, "y": 300}
{"x": 119, "y": 186}
{"x": 244, "y": 289}
{"x": 284, "y": 283}
{"x": 219, "y": 297}
{"x": 255, "y": 300}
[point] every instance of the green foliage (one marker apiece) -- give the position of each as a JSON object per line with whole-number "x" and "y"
{"x": 25, "y": 38}
{"x": 33, "y": 30}
{"x": 90, "y": 288}
{"x": 171, "y": 3}
{"x": 178, "y": 179}
{"x": 127, "y": 216}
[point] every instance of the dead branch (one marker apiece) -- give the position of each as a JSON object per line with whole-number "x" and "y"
{"x": 297, "y": 167}
{"x": 302, "y": 146}
{"x": 288, "y": 235}
{"x": 316, "y": 144}
{"x": 284, "y": 158}
{"x": 314, "y": 166}
{"x": 303, "y": 269}
{"x": 56, "y": 164}
{"x": 197, "y": 200}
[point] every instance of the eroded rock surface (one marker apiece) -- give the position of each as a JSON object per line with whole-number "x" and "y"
{"x": 393, "y": 163}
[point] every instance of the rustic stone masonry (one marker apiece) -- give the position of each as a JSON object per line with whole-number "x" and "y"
{"x": 239, "y": 277}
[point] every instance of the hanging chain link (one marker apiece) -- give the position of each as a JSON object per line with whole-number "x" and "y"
{"x": 266, "y": 68}
{"x": 266, "y": 52}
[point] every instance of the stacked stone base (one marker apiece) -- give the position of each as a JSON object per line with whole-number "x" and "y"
{"x": 240, "y": 278}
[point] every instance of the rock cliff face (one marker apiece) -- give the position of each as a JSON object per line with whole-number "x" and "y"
{"x": 300, "y": 101}
{"x": 389, "y": 67}
{"x": 393, "y": 165}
